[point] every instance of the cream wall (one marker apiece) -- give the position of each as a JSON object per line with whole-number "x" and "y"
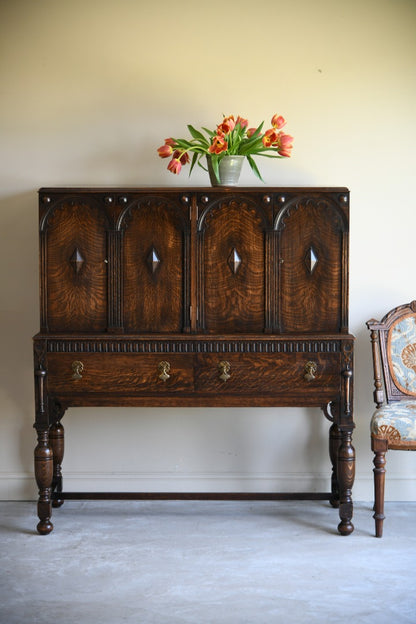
{"x": 90, "y": 89}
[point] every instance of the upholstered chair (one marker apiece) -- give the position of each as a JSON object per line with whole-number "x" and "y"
{"x": 393, "y": 425}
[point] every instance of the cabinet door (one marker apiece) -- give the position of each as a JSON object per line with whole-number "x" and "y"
{"x": 311, "y": 266}
{"x": 74, "y": 268}
{"x": 232, "y": 266}
{"x": 155, "y": 265}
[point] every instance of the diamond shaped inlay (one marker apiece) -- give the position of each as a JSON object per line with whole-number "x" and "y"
{"x": 153, "y": 260}
{"x": 234, "y": 260}
{"x": 311, "y": 259}
{"x": 76, "y": 260}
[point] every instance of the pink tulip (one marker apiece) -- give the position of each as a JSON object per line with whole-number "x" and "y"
{"x": 243, "y": 122}
{"x": 175, "y": 166}
{"x": 285, "y": 144}
{"x": 278, "y": 121}
{"x": 250, "y": 132}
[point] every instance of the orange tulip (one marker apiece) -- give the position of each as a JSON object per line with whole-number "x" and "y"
{"x": 227, "y": 125}
{"x": 218, "y": 145}
{"x": 270, "y": 137}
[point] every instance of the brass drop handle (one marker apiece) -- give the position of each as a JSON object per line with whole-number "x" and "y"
{"x": 225, "y": 368}
{"x": 311, "y": 368}
{"x": 164, "y": 368}
{"x": 77, "y": 368}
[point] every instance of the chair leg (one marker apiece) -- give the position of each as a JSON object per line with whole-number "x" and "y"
{"x": 379, "y": 482}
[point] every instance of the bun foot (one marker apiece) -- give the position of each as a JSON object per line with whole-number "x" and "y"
{"x": 44, "y": 527}
{"x": 345, "y": 527}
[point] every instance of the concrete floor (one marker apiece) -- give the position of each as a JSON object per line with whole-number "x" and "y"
{"x": 206, "y": 562}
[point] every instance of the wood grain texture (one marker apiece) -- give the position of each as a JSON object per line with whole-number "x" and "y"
{"x": 233, "y": 301}
{"x": 310, "y": 301}
{"x": 154, "y": 300}
{"x": 76, "y": 301}
{"x": 264, "y": 374}
{"x": 128, "y": 374}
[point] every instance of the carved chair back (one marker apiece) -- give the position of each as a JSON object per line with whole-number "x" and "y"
{"x": 394, "y": 354}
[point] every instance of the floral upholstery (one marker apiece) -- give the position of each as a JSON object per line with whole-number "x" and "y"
{"x": 402, "y": 354}
{"x": 395, "y": 422}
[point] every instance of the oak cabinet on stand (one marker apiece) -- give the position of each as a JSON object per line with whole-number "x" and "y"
{"x": 193, "y": 297}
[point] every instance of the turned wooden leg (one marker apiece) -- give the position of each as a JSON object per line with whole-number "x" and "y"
{"x": 56, "y": 439}
{"x": 379, "y": 481}
{"x": 334, "y": 444}
{"x": 346, "y": 474}
{"x": 44, "y": 476}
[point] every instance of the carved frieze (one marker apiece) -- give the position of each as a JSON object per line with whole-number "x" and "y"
{"x": 128, "y": 345}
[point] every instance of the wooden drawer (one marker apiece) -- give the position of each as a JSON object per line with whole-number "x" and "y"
{"x": 268, "y": 374}
{"x": 119, "y": 374}
{"x": 245, "y": 374}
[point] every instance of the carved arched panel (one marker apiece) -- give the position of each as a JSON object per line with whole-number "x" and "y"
{"x": 75, "y": 242}
{"x": 231, "y": 267}
{"x": 311, "y": 267}
{"x": 155, "y": 267}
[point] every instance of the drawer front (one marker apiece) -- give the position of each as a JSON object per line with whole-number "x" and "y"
{"x": 272, "y": 375}
{"x": 110, "y": 374}
{"x": 268, "y": 374}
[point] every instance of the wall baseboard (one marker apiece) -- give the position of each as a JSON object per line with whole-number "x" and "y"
{"x": 22, "y": 486}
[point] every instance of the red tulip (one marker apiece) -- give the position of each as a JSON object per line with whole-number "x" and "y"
{"x": 278, "y": 121}
{"x": 250, "y": 132}
{"x": 182, "y": 156}
{"x": 185, "y": 158}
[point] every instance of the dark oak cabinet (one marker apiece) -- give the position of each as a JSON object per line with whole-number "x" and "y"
{"x": 193, "y": 297}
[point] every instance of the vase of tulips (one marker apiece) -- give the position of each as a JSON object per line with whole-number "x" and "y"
{"x": 226, "y": 147}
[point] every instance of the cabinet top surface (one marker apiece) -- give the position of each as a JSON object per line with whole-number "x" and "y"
{"x": 196, "y": 189}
